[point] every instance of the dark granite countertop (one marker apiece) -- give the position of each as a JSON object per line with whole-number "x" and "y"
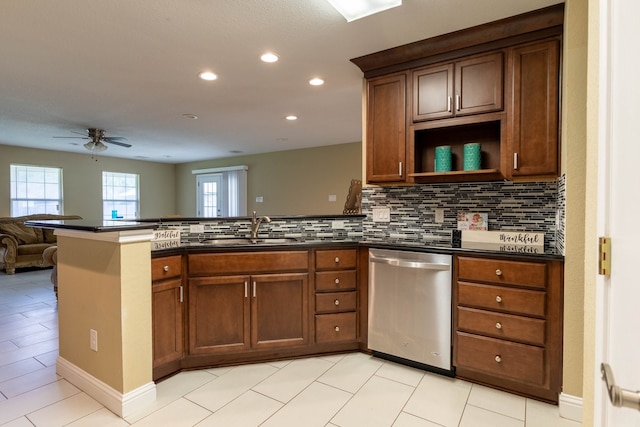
{"x": 94, "y": 226}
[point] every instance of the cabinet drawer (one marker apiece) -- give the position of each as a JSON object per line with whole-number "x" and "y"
{"x": 335, "y": 280}
{"x": 335, "y": 302}
{"x": 498, "y": 325}
{"x": 522, "y": 273}
{"x": 166, "y": 267}
{"x": 336, "y": 259}
{"x": 335, "y": 327}
{"x": 500, "y": 298}
{"x": 520, "y": 362}
{"x": 248, "y": 262}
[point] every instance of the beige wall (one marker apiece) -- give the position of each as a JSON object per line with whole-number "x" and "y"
{"x": 574, "y": 101}
{"x": 82, "y": 180}
{"x": 294, "y": 182}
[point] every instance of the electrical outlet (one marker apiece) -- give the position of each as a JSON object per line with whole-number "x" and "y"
{"x": 439, "y": 215}
{"x": 381, "y": 215}
{"x": 332, "y": 197}
{"x": 259, "y": 199}
{"x": 93, "y": 339}
{"x": 337, "y": 225}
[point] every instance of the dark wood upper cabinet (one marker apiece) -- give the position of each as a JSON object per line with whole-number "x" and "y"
{"x": 386, "y": 128}
{"x": 496, "y": 84}
{"x": 533, "y": 124}
{"x": 469, "y": 86}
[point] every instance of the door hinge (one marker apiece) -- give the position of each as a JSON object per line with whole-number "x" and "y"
{"x": 604, "y": 256}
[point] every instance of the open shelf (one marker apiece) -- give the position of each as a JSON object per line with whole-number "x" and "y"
{"x": 488, "y": 130}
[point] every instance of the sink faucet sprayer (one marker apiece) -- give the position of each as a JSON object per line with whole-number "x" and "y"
{"x": 255, "y": 224}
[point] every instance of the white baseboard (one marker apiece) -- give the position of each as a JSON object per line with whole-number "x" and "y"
{"x": 570, "y": 407}
{"x": 121, "y": 404}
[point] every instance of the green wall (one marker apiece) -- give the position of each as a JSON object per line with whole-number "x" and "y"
{"x": 294, "y": 182}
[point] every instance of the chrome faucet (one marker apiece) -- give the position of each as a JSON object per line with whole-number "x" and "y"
{"x": 255, "y": 224}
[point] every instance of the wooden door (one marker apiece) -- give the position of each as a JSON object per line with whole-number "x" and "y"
{"x": 433, "y": 93}
{"x": 219, "y": 314}
{"x": 533, "y": 115}
{"x": 168, "y": 323}
{"x": 479, "y": 82}
{"x": 386, "y": 128}
{"x": 279, "y": 310}
{"x": 617, "y": 295}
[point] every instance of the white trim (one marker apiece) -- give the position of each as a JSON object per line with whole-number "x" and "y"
{"x": 217, "y": 170}
{"x": 121, "y": 404}
{"x": 570, "y": 407}
{"x": 126, "y": 236}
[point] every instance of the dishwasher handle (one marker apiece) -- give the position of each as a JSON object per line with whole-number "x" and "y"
{"x": 411, "y": 264}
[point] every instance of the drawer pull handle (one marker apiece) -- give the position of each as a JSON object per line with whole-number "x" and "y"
{"x": 337, "y": 281}
{"x": 498, "y": 358}
{"x": 498, "y": 298}
{"x": 498, "y": 325}
{"x": 337, "y": 328}
{"x": 337, "y": 260}
{"x": 165, "y": 268}
{"x": 337, "y": 302}
{"x": 498, "y": 272}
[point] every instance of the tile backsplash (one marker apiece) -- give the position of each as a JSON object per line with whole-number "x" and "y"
{"x": 514, "y": 206}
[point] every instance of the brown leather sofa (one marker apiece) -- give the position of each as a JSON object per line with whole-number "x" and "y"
{"x": 22, "y": 246}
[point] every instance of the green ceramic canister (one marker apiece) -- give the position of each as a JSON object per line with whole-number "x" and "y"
{"x": 472, "y": 156}
{"x": 443, "y": 158}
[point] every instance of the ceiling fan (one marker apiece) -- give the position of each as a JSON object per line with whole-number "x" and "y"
{"x": 97, "y": 139}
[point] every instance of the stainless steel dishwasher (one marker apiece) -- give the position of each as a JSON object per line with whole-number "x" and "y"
{"x": 410, "y": 308}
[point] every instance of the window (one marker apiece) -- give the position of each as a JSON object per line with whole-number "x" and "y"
{"x": 221, "y": 191}
{"x": 35, "y": 190}
{"x": 120, "y": 195}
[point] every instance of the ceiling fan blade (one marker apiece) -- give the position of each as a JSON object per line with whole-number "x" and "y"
{"x": 114, "y": 142}
{"x": 71, "y": 137}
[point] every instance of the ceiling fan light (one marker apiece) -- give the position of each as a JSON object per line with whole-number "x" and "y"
{"x": 95, "y": 146}
{"x": 356, "y": 9}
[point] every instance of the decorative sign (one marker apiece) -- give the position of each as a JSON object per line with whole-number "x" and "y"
{"x": 166, "y": 234}
{"x": 504, "y": 241}
{"x": 164, "y": 244}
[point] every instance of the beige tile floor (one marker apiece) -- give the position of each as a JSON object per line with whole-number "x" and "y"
{"x": 336, "y": 391}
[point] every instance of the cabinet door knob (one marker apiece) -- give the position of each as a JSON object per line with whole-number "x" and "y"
{"x": 165, "y": 268}
{"x": 337, "y": 328}
{"x": 498, "y": 325}
{"x": 337, "y": 260}
{"x": 337, "y": 281}
{"x": 498, "y": 298}
{"x": 498, "y": 358}
{"x": 337, "y": 302}
{"x": 498, "y": 272}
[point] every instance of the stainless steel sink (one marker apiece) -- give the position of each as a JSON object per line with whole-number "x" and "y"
{"x": 247, "y": 241}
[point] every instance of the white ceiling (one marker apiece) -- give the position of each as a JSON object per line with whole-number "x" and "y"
{"x": 131, "y": 66}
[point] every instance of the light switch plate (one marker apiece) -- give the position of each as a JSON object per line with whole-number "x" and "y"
{"x": 381, "y": 215}
{"x": 439, "y": 215}
{"x": 196, "y": 228}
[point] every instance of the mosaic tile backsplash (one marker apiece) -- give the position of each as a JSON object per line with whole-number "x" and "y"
{"x": 513, "y": 206}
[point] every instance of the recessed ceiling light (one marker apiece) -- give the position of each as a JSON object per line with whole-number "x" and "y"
{"x": 236, "y": 151}
{"x": 291, "y": 117}
{"x": 316, "y": 81}
{"x": 190, "y": 116}
{"x": 269, "y": 57}
{"x": 282, "y": 139}
{"x": 208, "y": 75}
{"x": 353, "y": 10}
